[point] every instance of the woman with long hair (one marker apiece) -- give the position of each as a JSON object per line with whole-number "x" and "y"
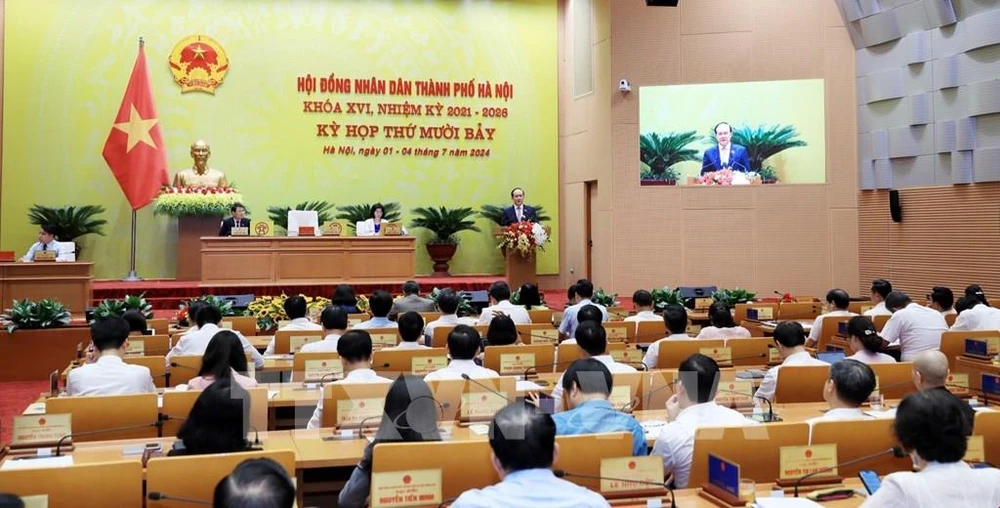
{"x": 343, "y": 297}
{"x": 411, "y": 414}
{"x": 865, "y": 341}
{"x": 218, "y": 421}
{"x": 224, "y": 359}
{"x": 723, "y": 325}
{"x": 530, "y": 297}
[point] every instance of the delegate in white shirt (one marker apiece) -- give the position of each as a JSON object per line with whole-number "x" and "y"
{"x": 456, "y": 368}
{"x": 937, "y": 486}
{"x": 735, "y": 332}
{"x": 403, "y": 346}
{"x": 359, "y": 376}
{"x": 817, "y": 328}
{"x": 980, "y": 317}
{"x": 109, "y": 375}
{"x": 444, "y": 320}
{"x": 569, "y": 321}
{"x": 676, "y": 440}
{"x": 195, "y": 343}
{"x": 295, "y": 324}
{"x": 517, "y": 313}
{"x": 865, "y": 356}
{"x": 916, "y": 329}
{"x": 641, "y": 316}
{"x": 770, "y": 381}
{"x": 838, "y": 414}
{"x": 327, "y": 345}
{"x": 878, "y": 310}
{"x": 607, "y": 360}
{"x": 653, "y": 352}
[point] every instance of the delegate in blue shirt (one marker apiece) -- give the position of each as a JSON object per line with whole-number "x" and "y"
{"x": 597, "y": 416}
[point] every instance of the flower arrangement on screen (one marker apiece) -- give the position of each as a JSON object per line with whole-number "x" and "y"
{"x": 196, "y": 202}
{"x": 727, "y": 177}
{"x": 523, "y": 238}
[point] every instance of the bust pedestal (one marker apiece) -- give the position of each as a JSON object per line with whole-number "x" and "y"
{"x": 189, "y": 233}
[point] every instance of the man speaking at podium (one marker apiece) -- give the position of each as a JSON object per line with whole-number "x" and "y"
{"x": 725, "y": 155}
{"x": 238, "y": 220}
{"x": 518, "y": 212}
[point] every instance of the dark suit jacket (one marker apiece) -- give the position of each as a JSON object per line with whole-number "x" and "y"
{"x": 510, "y": 216}
{"x": 411, "y": 303}
{"x": 230, "y": 223}
{"x": 738, "y": 159}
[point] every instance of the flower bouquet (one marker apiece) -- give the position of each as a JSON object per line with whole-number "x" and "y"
{"x": 523, "y": 238}
{"x": 196, "y": 202}
{"x": 270, "y": 309}
{"x": 727, "y": 177}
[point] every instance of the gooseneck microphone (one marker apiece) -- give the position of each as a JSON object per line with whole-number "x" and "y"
{"x": 896, "y": 451}
{"x": 566, "y": 474}
{"x": 62, "y": 440}
{"x": 159, "y": 496}
{"x": 770, "y": 417}
{"x": 473, "y": 381}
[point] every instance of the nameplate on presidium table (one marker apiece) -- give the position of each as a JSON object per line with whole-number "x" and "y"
{"x": 240, "y": 231}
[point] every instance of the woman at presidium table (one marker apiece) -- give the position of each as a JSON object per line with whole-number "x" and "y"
{"x": 373, "y": 226}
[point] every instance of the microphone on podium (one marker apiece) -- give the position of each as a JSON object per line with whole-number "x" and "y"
{"x": 566, "y": 474}
{"x": 896, "y": 451}
{"x": 159, "y": 496}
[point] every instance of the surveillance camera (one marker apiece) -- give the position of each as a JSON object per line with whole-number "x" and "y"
{"x": 624, "y": 86}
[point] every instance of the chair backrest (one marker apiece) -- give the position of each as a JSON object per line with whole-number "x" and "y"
{"x": 582, "y": 454}
{"x": 178, "y": 405}
{"x": 617, "y": 313}
{"x": 858, "y": 438}
{"x": 100, "y": 484}
{"x": 156, "y": 365}
{"x": 740, "y": 311}
{"x": 518, "y": 358}
{"x": 629, "y": 354}
{"x": 245, "y": 325}
{"x": 183, "y": 368}
{"x": 659, "y": 389}
{"x": 464, "y": 465}
{"x": 540, "y": 316}
{"x": 349, "y": 405}
{"x": 801, "y": 383}
{"x": 391, "y": 362}
{"x": 880, "y": 321}
{"x": 987, "y": 424}
{"x": 648, "y": 332}
{"x": 744, "y": 351}
{"x": 160, "y": 326}
{"x": 465, "y": 400}
{"x": 383, "y": 337}
{"x": 569, "y": 353}
{"x": 860, "y": 307}
{"x": 895, "y": 380}
{"x": 949, "y": 319}
{"x": 953, "y": 343}
{"x": 67, "y": 250}
{"x": 102, "y": 412}
{"x": 796, "y": 310}
{"x": 673, "y": 352}
{"x": 148, "y": 345}
{"x": 538, "y": 333}
{"x": 756, "y": 448}
{"x": 831, "y": 327}
{"x": 314, "y": 366}
{"x": 353, "y": 319}
{"x": 196, "y": 476}
{"x": 291, "y": 341}
{"x": 430, "y": 316}
{"x": 300, "y": 218}
{"x": 628, "y": 390}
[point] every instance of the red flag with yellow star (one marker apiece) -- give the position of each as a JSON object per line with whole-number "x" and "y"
{"x": 134, "y": 150}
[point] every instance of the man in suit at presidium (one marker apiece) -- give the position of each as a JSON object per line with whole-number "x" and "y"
{"x": 518, "y": 211}
{"x": 725, "y": 155}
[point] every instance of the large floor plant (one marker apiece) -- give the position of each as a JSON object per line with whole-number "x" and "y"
{"x": 445, "y": 223}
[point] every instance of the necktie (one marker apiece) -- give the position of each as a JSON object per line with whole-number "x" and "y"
{"x": 519, "y": 215}
{"x": 45, "y": 246}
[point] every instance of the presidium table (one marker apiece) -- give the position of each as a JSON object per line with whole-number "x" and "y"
{"x": 306, "y": 259}
{"x": 70, "y": 283}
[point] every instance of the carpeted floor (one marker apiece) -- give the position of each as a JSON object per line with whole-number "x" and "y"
{"x": 14, "y": 398}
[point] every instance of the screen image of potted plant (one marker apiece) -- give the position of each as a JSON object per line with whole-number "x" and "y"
{"x": 71, "y": 222}
{"x": 768, "y": 175}
{"x": 659, "y": 153}
{"x": 445, "y": 223}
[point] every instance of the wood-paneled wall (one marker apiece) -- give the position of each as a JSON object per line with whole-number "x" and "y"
{"x": 950, "y": 236}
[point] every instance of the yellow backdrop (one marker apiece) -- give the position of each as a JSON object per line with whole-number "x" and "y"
{"x": 66, "y": 64}
{"x": 799, "y": 103}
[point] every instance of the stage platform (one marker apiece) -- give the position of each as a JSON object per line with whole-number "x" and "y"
{"x": 166, "y": 294}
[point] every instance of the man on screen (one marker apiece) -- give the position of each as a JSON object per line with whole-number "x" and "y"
{"x": 725, "y": 155}
{"x": 518, "y": 212}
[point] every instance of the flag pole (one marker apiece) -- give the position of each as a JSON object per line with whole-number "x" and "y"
{"x": 133, "y": 276}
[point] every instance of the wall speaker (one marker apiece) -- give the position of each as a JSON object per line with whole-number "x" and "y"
{"x": 895, "y": 209}
{"x": 661, "y": 3}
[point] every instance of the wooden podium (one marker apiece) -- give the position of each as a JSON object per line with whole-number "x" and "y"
{"x": 519, "y": 269}
{"x": 190, "y": 230}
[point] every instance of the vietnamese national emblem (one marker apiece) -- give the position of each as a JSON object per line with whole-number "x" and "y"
{"x": 198, "y": 63}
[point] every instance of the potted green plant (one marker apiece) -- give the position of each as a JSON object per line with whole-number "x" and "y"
{"x": 660, "y": 153}
{"x": 732, "y": 297}
{"x": 604, "y": 298}
{"x": 763, "y": 141}
{"x": 493, "y": 213}
{"x": 665, "y": 296}
{"x": 768, "y": 175}
{"x": 353, "y": 214}
{"x": 30, "y": 315}
{"x": 464, "y": 307}
{"x": 71, "y": 222}
{"x": 112, "y": 307}
{"x": 279, "y": 214}
{"x": 445, "y": 223}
